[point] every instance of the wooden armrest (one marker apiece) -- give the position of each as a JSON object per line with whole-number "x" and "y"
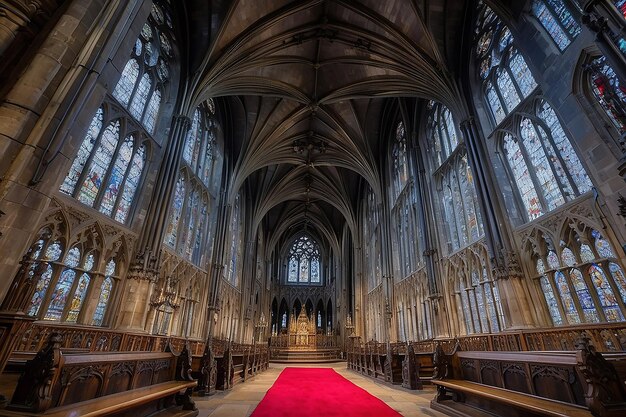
{"x": 518, "y": 399}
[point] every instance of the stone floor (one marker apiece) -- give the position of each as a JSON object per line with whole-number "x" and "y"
{"x": 243, "y": 398}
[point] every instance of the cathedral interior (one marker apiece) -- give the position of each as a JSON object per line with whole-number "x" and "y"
{"x": 428, "y": 194}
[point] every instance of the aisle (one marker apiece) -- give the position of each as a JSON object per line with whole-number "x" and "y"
{"x": 313, "y": 392}
{"x": 244, "y": 398}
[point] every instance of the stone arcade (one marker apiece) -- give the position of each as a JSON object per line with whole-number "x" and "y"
{"x": 429, "y": 191}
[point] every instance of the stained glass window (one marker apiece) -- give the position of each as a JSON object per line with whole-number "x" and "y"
{"x": 568, "y": 257}
{"x": 79, "y": 297}
{"x": 506, "y": 77}
{"x": 557, "y": 175}
{"x": 117, "y": 175}
{"x": 571, "y": 313}
{"x": 467, "y": 314}
{"x": 399, "y": 160}
{"x": 557, "y": 21}
{"x": 126, "y": 84}
{"x": 105, "y": 294}
{"x": 586, "y": 254}
{"x": 522, "y": 178}
{"x": 602, "y": 246}
{"x": 99, "y": 164}
{"x": 608, "y": 91}
{"x": 83, "y": 154}
{"x": 619, "y": 278}
{"x": 584, "y": 298}
{"x": 605, "y": 294}
{"x": 60, "y": 295}
{"x": 124, "y": 203}
{"x": 40, "y": 291}
{"x": 462, "y": 216}
{"x": 553, "y": 307}
{"x": 189, "y": 229}
{"x": 553, "y": 260}
{"x": 304, "y": 261}
{"x": 176, "y": 211}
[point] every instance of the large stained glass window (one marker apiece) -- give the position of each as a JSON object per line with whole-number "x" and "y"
{"x": 543, "y": 165}
{"x": 107, "y": 171}
{"x": 110, "y": 168}
{"x": 506, "y": 78}
{"x": 462, "y": 220}
{"x": 189, "y": 229}
{"x": 106, "y": 290}
{"x": 608, "y": 92}
{"x": 304, "y": 262}
{"x": 148, "y": 69}
{"x": 585, "y": 280}
{"x": 557, "y": 20}
{"x": 405, "y": 202}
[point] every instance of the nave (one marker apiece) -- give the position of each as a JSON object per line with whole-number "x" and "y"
{"x": 433, "y": 191}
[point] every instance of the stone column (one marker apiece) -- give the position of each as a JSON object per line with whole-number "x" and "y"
{"x": 514, "y": 297}
{"x": 21, "y": 20}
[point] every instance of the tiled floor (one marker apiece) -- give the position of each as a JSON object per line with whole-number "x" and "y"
{"x": 243, "y": 398}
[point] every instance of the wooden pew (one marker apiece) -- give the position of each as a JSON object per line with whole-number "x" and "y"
{"x": 104, "y": 383}
{"x": 580, "y": 383}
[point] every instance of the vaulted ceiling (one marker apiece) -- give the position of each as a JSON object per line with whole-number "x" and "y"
{"x": 306, "y": 82}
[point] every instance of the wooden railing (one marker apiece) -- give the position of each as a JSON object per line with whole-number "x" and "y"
{"x": 102, "y": 340}
{"x": 605, "y": 337}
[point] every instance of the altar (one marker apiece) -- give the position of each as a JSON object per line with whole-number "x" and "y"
{"x": 302, "y": 332}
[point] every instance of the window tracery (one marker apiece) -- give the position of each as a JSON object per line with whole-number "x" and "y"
{"x": 460, "y": 211}
{"x": 557, "y": 20}
{"x": 581, "y": 279}
{"x": 542, "y": 164}
{"x": 189, "y": 230}
{"x": 64, "y": 277}
{"x": 506, "y": 78}
{"x": 106, "y": 173}
{"x": 304, "y": 262}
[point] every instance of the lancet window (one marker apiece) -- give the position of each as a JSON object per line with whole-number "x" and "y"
{"x": 235, "y": 233}
{"x": 580, "y": 278}
{"x": 557, "y": 20}
{"x": 477, "y": 296}
{"x": 542, "y": 164}
{"x": 189, "y": 229}
{"x": 505, "y": 77}
{"x": 462, "y": 219}
{"x": 608, "y": 91}
{"x": 404, "y": 205}
{"x": 371, "y": 240}
{"x": 108, "y": 168}
{"x": 64, "y": 277}
{"x": 304, "y": 265}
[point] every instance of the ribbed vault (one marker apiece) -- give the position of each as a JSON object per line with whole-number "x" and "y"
{"x": 308, "y": 81}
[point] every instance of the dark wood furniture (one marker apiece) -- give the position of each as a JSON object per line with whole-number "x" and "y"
{"x": 104, "y": 383}
{"x": 395, "y": 363}
{"x": 577, "y": 383}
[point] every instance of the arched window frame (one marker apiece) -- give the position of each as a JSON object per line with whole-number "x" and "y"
{"x": 450, "y": 170}
{"x": 91, "y": 186}
{"x": 303, "y": 250}
{"x": 190, "y": 229}
{"x": 564, "y": 304}
{"x": 371, "y": 239}
{"x": 150, "y": 60}
{"x": 404, "y": 203}
{"x": 569, "y": 188}
{"x": 555, "y": 16}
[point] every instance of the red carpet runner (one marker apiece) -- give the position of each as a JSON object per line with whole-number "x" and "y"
{"x": 311, "y": 392}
